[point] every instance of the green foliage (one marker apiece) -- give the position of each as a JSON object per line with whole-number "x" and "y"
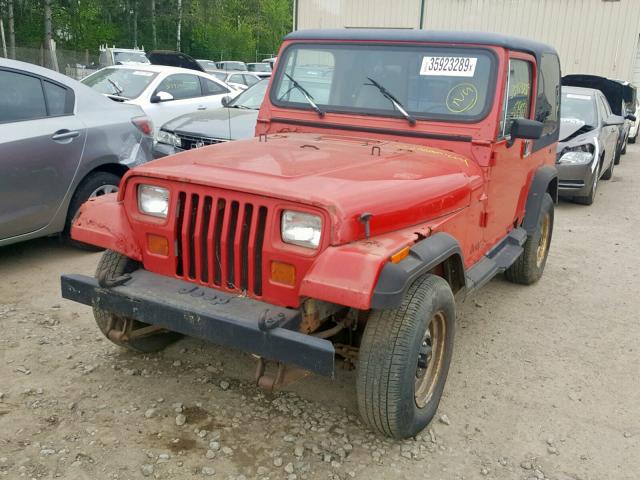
{"x": 214, "y": 29}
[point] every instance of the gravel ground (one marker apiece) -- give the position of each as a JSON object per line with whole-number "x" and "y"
{"x": 544, "y": 381}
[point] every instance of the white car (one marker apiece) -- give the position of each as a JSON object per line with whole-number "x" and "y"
{"x": 164, "y": 93}
{"x": 237, "y": 80}
{"x": 633, "y": 132}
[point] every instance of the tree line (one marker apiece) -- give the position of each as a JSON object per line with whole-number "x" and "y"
{"x": 212, "y": 29}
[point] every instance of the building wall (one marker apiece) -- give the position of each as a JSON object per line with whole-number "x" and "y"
{"x": 592, "y": 36}
{"x": 358, "y": 13}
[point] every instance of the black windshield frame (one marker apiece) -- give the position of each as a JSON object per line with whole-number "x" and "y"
{"x": 431, "y": 117}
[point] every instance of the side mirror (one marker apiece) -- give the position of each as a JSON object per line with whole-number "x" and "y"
{"x": 614, "y": 121}
{"x": 527, "y": 129}
{"x": 225, "y": 101}
{"x": 630, "y": 117}
{"x": 161, "y": 97}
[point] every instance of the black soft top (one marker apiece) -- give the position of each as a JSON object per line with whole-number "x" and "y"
{"x": 424, "y": 36}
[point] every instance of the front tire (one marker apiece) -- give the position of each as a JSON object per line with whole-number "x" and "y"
{"x": 404, "y": 359}
{"x": 588, "y": 199}
{"x": 529, "y": 266}
{"x": 94, "y": 185}
{"x": 113, "y": 265}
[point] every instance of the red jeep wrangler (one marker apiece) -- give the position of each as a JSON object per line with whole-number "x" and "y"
{"x": 392, "y": 171}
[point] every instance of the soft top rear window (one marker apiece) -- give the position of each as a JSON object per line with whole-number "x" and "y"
{"x": 431, "y": 82}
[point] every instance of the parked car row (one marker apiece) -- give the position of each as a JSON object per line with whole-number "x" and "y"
{"x": 597, "y": 118}
{"x": 64, "y": 142}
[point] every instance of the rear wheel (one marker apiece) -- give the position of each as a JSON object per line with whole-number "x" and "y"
{"x": 528, "y": 268}
{"x": 633, "y": 139}
{"x": 113, "y": 265}
{"x": 95, "y": 184}
{"x": 404, "y": 359}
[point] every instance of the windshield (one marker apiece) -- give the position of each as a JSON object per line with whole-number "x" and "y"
{"x": 123, "y": 82}
{"x": 138, "y": 57}
{"x": 579, "y": 107}
{"x": 259, "y": 67}
{"x": 426, "y": 82}
{"x": 207, "y": 64}
{"x": 252, "y": 97}
{"x": 233, "y": 66}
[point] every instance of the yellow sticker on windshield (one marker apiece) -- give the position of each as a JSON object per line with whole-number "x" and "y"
{"x": 462, "y": 98}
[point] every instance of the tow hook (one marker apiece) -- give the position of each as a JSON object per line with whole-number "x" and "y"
{"x": 269, "y": 322}
{"x": 284, "y": 375}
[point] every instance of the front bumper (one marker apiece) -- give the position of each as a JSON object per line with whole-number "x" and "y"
{"x": 574, "y": 180}
{"x": 250, "y": 325}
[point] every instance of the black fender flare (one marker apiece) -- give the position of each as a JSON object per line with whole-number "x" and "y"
{"x": 544, "y": 180}
{"x": 395, "y": 278}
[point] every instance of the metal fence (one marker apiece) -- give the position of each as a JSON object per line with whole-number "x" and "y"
{"x": 72, "y": 63}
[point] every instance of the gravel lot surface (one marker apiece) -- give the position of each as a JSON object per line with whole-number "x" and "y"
{"x": 544, "y": 381}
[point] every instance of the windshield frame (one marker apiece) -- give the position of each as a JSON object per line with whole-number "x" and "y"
{"x": 492, "y": 85}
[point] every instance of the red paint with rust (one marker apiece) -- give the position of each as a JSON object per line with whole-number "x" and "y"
{"x": 412, "y": 186}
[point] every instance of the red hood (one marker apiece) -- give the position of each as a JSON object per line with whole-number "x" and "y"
{"x": 400, "y": 184}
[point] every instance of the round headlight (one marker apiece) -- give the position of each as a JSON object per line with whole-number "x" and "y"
{"x": 303, "y": 229}
{"x": 153, "y": 200}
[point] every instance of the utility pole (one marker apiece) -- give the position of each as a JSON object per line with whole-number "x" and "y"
{"x": 135, "y": 24}
{"x": 48, "y": 32}
{"x": 12, "y": 30}
{"x": 179, "y": 24}
{"x": 153, "y": 24}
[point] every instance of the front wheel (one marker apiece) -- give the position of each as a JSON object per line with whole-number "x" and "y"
{"x": 404, "y": 359}
{"x": 113, "y": 265}
{"x": 529, "y": 266}
{"x": 95, "y": 184}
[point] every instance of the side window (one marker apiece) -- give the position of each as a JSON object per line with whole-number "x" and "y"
{"x": 212, "y": 88}
{"x": 517, "y": 102}
{"x": 237, "y": 79}
{"x": 22, "y": 97}
{"x": 56, "y": 99}
{"x": 250, "y": 80}
{"x": 181, "y": 86}
{"x": 607, "y": 107}
{"x": 548, "y": 95}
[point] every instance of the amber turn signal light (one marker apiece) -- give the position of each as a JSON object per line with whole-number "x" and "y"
{"x": 400, "y": 255}
{"x": 284, "y": 273}
{"x": 158, "y": 244}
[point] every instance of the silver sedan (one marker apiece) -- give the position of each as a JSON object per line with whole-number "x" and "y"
{"x": 61, "y": 144}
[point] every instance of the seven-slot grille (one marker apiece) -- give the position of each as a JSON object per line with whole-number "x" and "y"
{"x": 187, "y": 142}
{"x": 219, "y": 241}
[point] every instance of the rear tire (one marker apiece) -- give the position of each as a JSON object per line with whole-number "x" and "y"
{"x": 633, "y": 139}
{"x": 113, "y": 265}
{"x": 404, "y": 359}
{"x": 529, "y": 266}
{"x": 94, "y": 184}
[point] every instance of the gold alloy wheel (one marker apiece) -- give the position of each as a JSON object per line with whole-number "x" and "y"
{"x": 543, "y": 243}
{"x": 430, "y": 359}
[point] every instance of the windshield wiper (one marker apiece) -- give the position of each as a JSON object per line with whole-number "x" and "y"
{"x": 396, "y": 103}
{"x": 306, "y": 95}
{"x": 115, "y": 86}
